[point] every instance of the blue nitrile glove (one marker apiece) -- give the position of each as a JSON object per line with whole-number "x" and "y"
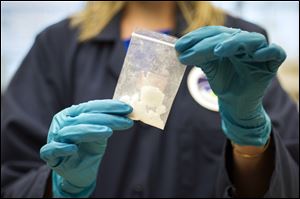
{"x": 76, "y": 144}
{"x": 239, "y": 66}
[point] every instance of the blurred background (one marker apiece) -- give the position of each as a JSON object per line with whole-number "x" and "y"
{"x": 22, "y": 21}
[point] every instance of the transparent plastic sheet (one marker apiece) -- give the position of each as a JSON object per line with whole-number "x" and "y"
{"x": 150, "y": 77}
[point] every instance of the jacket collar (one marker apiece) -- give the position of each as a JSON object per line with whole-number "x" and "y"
{"x": 111, "y": 33}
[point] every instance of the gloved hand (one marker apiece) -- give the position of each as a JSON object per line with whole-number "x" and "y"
{"x": 76, "y": 143}
{"x": 239, "y": 66}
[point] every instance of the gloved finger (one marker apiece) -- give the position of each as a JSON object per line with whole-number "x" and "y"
{"x": 115, "y": 122}
{"x": 203, "y": 51}
{"x": 273, "y": 54}
{"x": 99, "y": 106}
{"x": 190, "y": 39}
{"x": 240, "y": 43}
{"x": 53, "y": 152}
{"x": 83, "y": 133}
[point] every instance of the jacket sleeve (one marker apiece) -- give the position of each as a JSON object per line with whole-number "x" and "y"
{"x": 284, "y": 114}
{"x": 34, "y": 95}
{"x": 285, "y": 122}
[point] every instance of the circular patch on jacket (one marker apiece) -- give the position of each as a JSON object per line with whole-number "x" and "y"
{"x": 200, "y": 90}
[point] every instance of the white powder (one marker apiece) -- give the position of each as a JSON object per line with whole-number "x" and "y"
{"x": 147, "y": 105}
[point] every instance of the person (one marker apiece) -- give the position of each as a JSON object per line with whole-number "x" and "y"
{"x": 63, "y": 136}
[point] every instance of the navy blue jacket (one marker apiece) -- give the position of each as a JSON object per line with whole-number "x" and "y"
{"x": 188, "y": 159}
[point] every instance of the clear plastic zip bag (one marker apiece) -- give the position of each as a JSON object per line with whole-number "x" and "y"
{"x": 150, "y": 77}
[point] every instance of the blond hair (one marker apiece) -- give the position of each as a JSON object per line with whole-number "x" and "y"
{"x": 97, "y": 15}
